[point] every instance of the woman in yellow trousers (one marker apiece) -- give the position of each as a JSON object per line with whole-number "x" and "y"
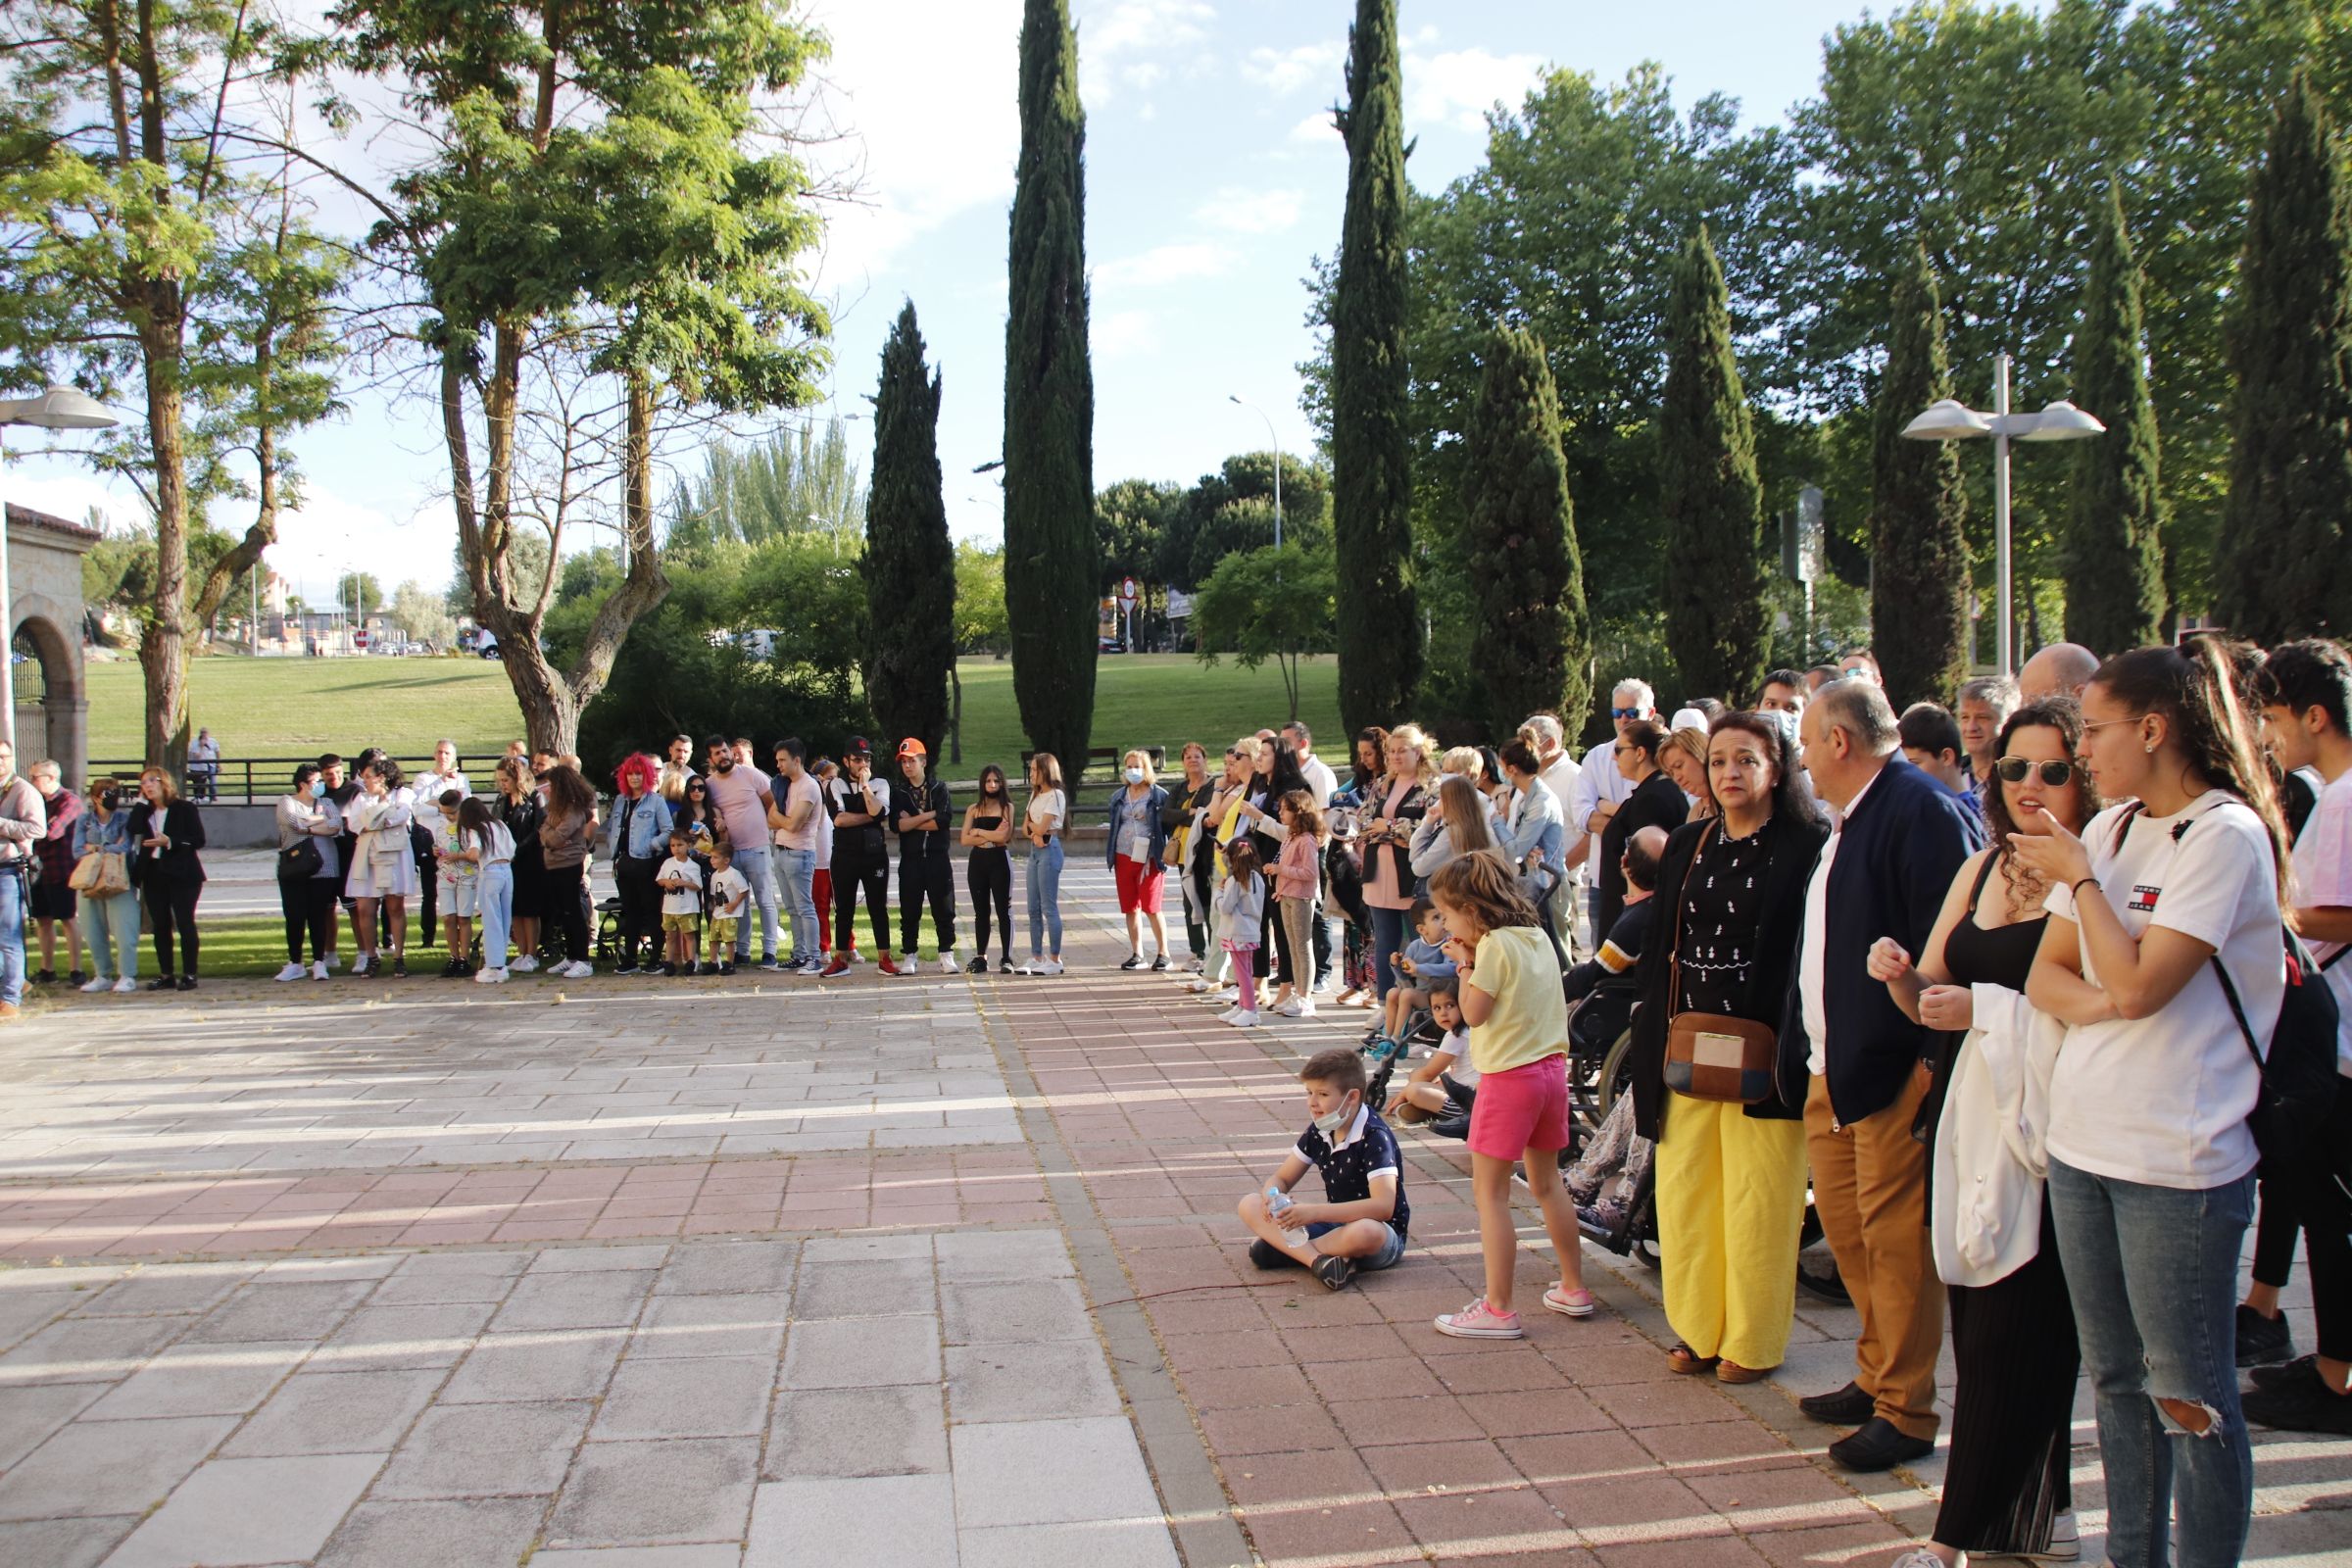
{"x": 1731, "y": 1177}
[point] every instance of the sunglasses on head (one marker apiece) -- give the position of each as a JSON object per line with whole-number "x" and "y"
{"x": 2012, "y": 770}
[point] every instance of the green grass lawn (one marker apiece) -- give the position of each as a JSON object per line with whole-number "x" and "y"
{"x": 281, "y": 708}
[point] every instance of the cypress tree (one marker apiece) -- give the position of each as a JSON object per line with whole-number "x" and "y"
{"x": 1918, "y": 509}
{"x": 2114, "y": 558}
{"x": 1533, "y": 643}
{"x": 2280, "y": 572}
{"x": 1049, "y": 544}
{"x": 909, "y": 565}
{"x": 1378, "y": 623}
{"x": 1709, "y": 495}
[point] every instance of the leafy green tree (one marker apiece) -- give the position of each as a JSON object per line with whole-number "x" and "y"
{"x": 2290, "y": 463}
{"x": 593, "y": 193}
{"x": 1269, "y": 603}
{"x": 423, "y": 615}
{"x": 1709, "y": 497}
{"x": 909, "y": 565}
{"x": 360, "y": 594}
{"x": 1207, "y": 512}
{"x": 1050, "y": 571}
{"x": 1533, "y": 643}
{"x": 980, "y": 626}
{"x": 791, "y": 481}
{"x": 1131, "y": 521}
{"x": 1372, "y": 497}
{"x": 147, "y": 249}
{"x": 2115, "y": 527}
{"x": 1918, "y": 512}
{"x": 528, "y": 562}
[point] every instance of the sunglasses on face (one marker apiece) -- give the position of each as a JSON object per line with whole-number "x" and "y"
{"x": 2012, "y": 770}
{"x": 1625, "y": 713}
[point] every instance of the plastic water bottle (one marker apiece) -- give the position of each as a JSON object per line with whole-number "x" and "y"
{"x": 1277, "y": 1200}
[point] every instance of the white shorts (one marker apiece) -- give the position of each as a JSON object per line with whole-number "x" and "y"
{"x": 382, "y": 878}
{"x": 461, "y": 896}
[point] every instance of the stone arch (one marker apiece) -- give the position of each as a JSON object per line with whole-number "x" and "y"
{"x": 52, "y": 707}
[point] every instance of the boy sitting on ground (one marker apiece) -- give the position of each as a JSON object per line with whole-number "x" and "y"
{"x": 1422, "y": 964}
{"x": 1442, "y": 1089}
{"x": 1361, "y": 1222}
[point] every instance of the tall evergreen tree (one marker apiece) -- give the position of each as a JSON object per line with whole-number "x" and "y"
{"x": 910, "y": 563}
{"x": 1049, "y": 544}
{"x": 2281, "y": 571}
{"x": 1709, "y": 497}
{"x": 2114, "y": 560}
{"x": 1372, "y": 494}
{"x": 1919, "y": 579}
{"x": 1532, "y": 639}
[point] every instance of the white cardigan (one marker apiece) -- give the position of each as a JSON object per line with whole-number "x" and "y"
{"x": 1990, "y": 1165}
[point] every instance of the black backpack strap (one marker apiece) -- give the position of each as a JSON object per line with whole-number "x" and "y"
{"x": 2238, "y": 1011}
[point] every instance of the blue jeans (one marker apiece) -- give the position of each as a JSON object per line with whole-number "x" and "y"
{"x": 494, "y": 901}
{"x": 1388, "y": 936}
{"x": 111, "y": 926}
{"x": 2153, "y": 1272}
{"x": 11, "y": 937}
{"x": 796, "y": 883}
{"x": 752, "y": 861}
{"x": 1045, "y": 903}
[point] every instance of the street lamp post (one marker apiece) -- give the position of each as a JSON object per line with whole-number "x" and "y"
{"x": 1949, "y": 419}
{"x": 59, "y": 407}
{"x": 1276, "y": 442}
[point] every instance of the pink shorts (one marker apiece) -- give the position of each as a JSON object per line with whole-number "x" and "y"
{"x": 1521, "y": 1108}
{"x": 1138, "y": 885}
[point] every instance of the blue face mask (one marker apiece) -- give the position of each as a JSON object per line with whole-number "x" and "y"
{"x": 318, "y": 789}
{"x": 1135, "y": 775}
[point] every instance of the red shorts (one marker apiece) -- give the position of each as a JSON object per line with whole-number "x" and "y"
{"x": 1521, "y": 1108}
{"x": 1138, "y": 885}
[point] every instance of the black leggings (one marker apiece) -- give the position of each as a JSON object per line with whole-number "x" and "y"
{"x": 640, "y": 907}
{"x": 929, "y": 878}
{"x": 308, "y": 903}
{"x": 1196, "y": 907}
{"x": 565, "y": 910}
{"x": 847, "y": 880}
{"x": 173, "y": 904}
{"x": 989, "y": 874}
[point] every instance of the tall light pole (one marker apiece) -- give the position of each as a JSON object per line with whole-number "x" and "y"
{"x": 1276, "y": 442}
{"x": 59, "y": 407}
{"x": 1949, "y": 419}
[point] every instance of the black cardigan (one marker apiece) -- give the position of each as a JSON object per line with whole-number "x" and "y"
{"x": 184, "y": 827}
{"x": 1792, "y": 846}
{"x": 1656, "y": 801}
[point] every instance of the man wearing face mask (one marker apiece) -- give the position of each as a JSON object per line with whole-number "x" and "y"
{"x": 920, "y": 814}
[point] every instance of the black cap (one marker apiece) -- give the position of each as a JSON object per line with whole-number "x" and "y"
{"x": 857, "y": 746}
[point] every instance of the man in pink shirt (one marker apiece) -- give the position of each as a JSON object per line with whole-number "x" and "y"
{"x": 739, "y": 792}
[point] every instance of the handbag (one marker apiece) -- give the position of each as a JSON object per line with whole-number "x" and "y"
{"x": 1714, "y": 1055}
{"x": 299, "y": 860}
{"x": 101, "y": 873}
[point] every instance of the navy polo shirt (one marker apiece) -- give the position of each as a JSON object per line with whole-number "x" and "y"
{"x": 1370, "y": 1150}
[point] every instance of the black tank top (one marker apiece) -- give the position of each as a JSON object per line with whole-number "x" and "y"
{"x": 986, "y": 824}
{"x": 2000, "y": 957}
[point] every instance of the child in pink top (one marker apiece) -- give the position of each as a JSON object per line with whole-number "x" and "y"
{"x": 1297, "y": 884}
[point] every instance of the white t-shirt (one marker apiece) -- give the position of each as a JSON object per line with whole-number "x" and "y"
{"x": 2323, "y": 868}
{"x": 824, "y": 832}
{"x": 2163, "y": 1099}
{"x": 681, "y": 884}
{"x": 1462, "y": 1070}
{"x": 1046, "y": 811}
{"x": 1321, "y": 782}
{"x": 1597, "y": 780}
{"x": 725, "y": 888}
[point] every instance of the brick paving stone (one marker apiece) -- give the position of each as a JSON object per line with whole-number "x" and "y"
{"x": 239, "y": 1512}
{"x": 908, "y": 1521}
{"x": 109, "y": 1468}
{"x": 566, "y": 1364}
{"x": 519, "y": 1449}
{"x": 468, "y": 1534}
{"x": 816, "y": 1433}
{"x": 879, "y": 1287}
{"x": 1096, "y": 1471}
{"x": 710, "y": 1324}
{"x": 87, "y": 1350}
{"x": 201, "y": 1380}
{"x": 862, "y": 1352}
{"x": 720, "y": 1396}
{"x": 28, "y": 1415}
{"x": 63, "y": 1542}
{"x": 335, "y": 1412}
{"x": 649, "y": 1494}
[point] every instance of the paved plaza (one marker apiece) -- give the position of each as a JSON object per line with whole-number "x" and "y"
{"x": 726, "y": 1274}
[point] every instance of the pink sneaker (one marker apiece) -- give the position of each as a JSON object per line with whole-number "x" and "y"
{"x": 1479, "y": 1321}
{"x": 1571, "y": 1304}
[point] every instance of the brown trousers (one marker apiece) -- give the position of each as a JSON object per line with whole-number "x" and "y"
{"x": 1870, "y": 1187}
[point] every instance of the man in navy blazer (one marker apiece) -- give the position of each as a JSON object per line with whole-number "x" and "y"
{"x": 1902, "y": 837}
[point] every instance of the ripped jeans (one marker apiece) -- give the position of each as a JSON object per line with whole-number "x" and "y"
{"x": 2153, "y": 1272}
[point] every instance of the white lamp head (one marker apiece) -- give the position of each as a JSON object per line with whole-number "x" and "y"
{"x": 2063, "y": 421}
{"x": 59, "y": 407}
{"x": 1948, "y": 419}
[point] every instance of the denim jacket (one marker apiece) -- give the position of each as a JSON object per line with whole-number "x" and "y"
{"x": 112, "y": 835}
{"x": 647, "y": 819}
{"x": 1536, "y": 823}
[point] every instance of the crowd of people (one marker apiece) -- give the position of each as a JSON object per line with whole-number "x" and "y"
{"x": 2003, "y": 988}
{"x": 2037, "y": 998}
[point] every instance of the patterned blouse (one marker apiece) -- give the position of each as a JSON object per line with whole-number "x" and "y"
{"x": 1722, "y": 903}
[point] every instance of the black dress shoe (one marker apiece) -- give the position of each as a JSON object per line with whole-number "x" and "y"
{"x": 1877, "y": 1445}
{"x": 1849, "y": 1406}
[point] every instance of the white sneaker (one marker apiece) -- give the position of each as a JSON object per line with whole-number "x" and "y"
{"x": 292, "y": 971}
{"x": 1050, "y": 967}
{"x": 102, "y": 983}
{"x": 490, "y": 977}
{"x": 2066, "y": 1541}
{"x": 334, "y": 961}
{"x": 948, "y": 964}
{"x": 1917, "y": 1557}
{"x": 1229, "y": 1014}
{"x": 1295, "y": 1009}
{"x": 1200, "y": 987}
{"x": 1306, "y": 1007}
{"x": 577, "y": 969}
{"x": 359, "y": 966}
{"x": 318, "y": 970}
{"x": 1241, "y": 1020}
{"x": 528, "y": 963}
{"x": 125, "y": 986}
{"x": 1195, "y": 966}
{"x": 857, "y": 957}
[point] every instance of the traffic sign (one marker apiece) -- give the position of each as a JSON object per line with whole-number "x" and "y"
{"x": 1127, "y": 590}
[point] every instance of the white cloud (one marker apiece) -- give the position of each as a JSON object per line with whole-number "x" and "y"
{"x": 1457, "y": 88}
{"x": 1316, "y": 131}
{"x": 1285, "y": 71}
{"x": 1140, "y": 26}
{"x": 1143, "y": 75}
{"x": 1249, "y": 212}
{"x": 1121, "y": 333}
{"x": 1167, "y": 263}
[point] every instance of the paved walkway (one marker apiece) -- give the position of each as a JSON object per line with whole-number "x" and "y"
{"x": 685, "y": 1274}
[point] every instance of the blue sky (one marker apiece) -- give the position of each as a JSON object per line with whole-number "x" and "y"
{"x": 1213, "y": 180}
